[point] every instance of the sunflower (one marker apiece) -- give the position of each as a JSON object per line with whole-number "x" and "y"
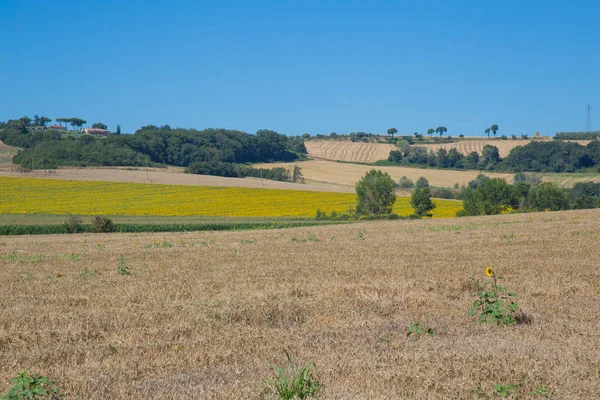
{"x": 489, "y": 271}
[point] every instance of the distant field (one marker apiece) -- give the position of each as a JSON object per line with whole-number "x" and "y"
{"x": 205, "y": 315}
{"x": 348, "y": 174}
{"x": 348, "y": 151}
{"x": 49, "y": 196}
{"x": 467, "y": 146}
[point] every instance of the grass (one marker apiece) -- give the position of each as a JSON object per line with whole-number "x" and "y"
{"x": 208, "y": 321}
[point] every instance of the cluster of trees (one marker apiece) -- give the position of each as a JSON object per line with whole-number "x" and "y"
{"x": 487, "y": 196}
{"x": 234, "y": 170}
{"x": 75, "y": 122}
{"x": 25, "y": 122}
{"x": 213, "y": 150}
{"x": 577, "y": 135}
{"x": 493, "y": 129}
{"x": 554, "y": 156}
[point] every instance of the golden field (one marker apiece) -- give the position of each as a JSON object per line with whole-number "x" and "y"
{"x": 205, "y": 315}
{"x": 48, "y": 196}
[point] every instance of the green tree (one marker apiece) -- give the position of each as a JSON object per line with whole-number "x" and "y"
{"x": 494, "y": 129}
{"x": 118, "y": 129}
{"x": 430, "y": 131}
{"x": 421, "y": 202}
{"x": 492, "y": 197}
{"x": 548, "y": 196}
{"x": 376, "y": 193}
{"x": 441, "y": 130}
{"x": 392, "y": 132}
{"x": 487, "y": 132}
{"x": 99, "y": 125}
{"x": 44, "y": 121}
{"x": 66, "y": 121}
{"x": 77, "y": 122}
{"x": 422, "y": 183}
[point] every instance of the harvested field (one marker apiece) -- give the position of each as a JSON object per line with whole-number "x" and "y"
{"x": 170, "y": 176}
{"x": 467, "y": 146}
{"x": 6, "y": 154}
{"x": 348, "y": 151}
{"x": 207, "y": 316}
{"x": 348, "y": 174}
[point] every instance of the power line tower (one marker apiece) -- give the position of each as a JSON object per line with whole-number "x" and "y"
{"x": 588, "y": 118}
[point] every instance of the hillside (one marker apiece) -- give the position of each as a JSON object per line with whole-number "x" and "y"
{"x": 6, "y": 154}
{"x": 371, "y": 152}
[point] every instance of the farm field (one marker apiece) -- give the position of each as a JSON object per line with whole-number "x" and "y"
{"x": 348, "y": 174}
{"x": 6, "y": 155}
{"x": 205, "y": 315}
{"x": 348, "y": 151}
{"x": 48, "y": 196}
{"x": 467, "y": 146}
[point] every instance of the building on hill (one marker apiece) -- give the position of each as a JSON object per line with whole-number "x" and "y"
{"x": 57, "y": 127}
{"x": 96, "y": 132}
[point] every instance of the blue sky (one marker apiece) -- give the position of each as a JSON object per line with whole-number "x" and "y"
{"x": 304, "y": 66}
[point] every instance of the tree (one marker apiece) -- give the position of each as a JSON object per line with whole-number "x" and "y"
{"x": 25, "y": 120}
{"x": 422, "y": 183}
{"x": 430, "y": 131}
{"x": 99, "y": 125}
{"x": 492, "y": 197}
{"x": 392, "y": 132}
{"x": 376, "y": 193}
{"x": 487, "y": 132}
{"x": 65, "y": 120}
{"x": 494, "y": 128}
{"x": 118, "y": 129}
{"x": 36, "y": 120}
{"x": 44, "y": 121}
{"x": 421, "y": 202}
{"x": 548, "y": 196}
{"x": 77, "y": 122}
{"x": 441, "y": 130}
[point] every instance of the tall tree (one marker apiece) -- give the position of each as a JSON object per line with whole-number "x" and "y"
{"x": 36, "y": 120}
{"x": 45, "y": 121}
{"x": 392, "y": 132}
{"x": 441, "y": 130}
{"x": 65, "y": 121}
{"x": 99, "y": 125}
{"x": 118, "y": 129}
{"x": 487, "y": 132}
{"x": 430, "y": 131}
{"x": 25, "y": 120}
{"x": 494, "y": 128}
{"x": 77, "y": 122}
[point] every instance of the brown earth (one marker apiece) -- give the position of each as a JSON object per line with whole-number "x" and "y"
{"x": 207, "y": 317}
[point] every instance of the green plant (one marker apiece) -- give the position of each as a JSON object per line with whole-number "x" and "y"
{"x": 87, "y": 272}
{"x": 505, "y": 390}
{"x": 73, "y": 224}
{"x": 360, "y": 235}
{"x": 416, "y": 329}
{"x": 301, "y": 383}
{"x": 494, "y": 304}
{"x": 103, "y": 224}
{"x": 542, "y": 391}
{"x": 29, "y": 386}
{"x": 376, "y": 193}
{"x": 123, "y": 269}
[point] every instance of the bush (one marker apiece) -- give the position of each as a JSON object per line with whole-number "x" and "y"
{"x": 548, "y": 196}
{"x": 376, "y": 193}
{"x": 29, "y": 386}
{"x": 492, "y": 197}
{"x": 73, "y": 224}
{"x": 405, "y": 183}
{"x": 103, "y": 224}
{"x": 421, "y": 202}
{"x": 422, "y": 183}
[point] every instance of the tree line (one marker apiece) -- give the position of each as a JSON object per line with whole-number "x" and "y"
{"x": 212, "y": 151}
{"x": 42, "y": 121}
{"x": 554, "y": 156}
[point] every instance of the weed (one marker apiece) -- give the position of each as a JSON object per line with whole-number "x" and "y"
{"x": 28, "y": 386}
{"x": 87, "y": 272}
{"x": 159, "y": 245}
{"x": 71, "y": 256}
{"x": 248, "y": 241}
{"x": 123, "y": 269}
{"x": 494, "y": 304}
{"x": 416, "y": 329}
{"x": 310, "y": 237}
{"x": 301, "y": 384}
{"x": 505, "y": 390}
{"x": 542, "y": 391}
{"x": 73, "y": 224}
{"x": 505, "y": 239}
{"x": 30, "y": 275}
{"x": 360, "y": 235}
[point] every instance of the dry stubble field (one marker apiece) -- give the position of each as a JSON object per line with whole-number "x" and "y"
{"x": 206, "y": 317}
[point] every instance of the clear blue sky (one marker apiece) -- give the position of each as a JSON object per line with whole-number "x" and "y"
{"x": 304, "y": 66}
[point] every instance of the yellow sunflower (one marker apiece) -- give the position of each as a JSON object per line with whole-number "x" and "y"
{"x": 489, "y": 271}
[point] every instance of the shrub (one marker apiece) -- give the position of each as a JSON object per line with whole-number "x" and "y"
{"x": 421, "y": 202}
{"x": 73, "y": 224}
{"x": 376, "y": 193}
{"x": 405, "y": 183}
{"x": 103, "y": 224}
{"x": 548, "y": 196}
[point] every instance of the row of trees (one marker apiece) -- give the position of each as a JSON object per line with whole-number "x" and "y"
{"x": 439, "y": 130}
{"x": 493, "y": 129}
{"x": 154, "y": 145}
{"x": 554, "y": 156}
{"x": 25, "y": 122}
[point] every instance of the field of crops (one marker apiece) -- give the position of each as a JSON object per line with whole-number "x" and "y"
{"x": 48, "y": 196}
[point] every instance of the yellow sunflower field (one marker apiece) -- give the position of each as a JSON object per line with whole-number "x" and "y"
{"x": 49, "y": 196}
